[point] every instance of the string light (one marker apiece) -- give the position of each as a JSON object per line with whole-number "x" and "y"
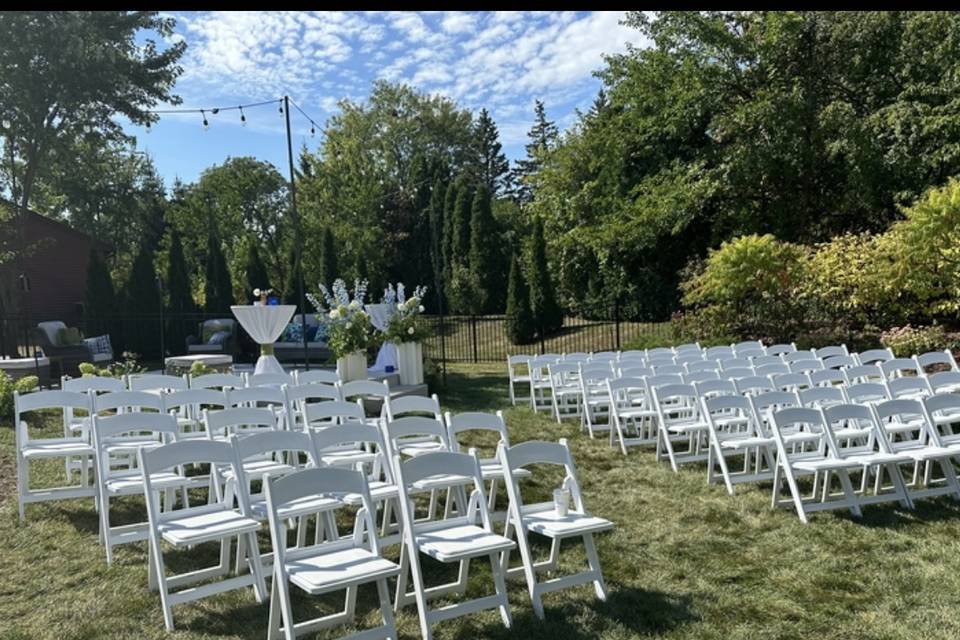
{"x": 243, "y": 118}
{"x": 206, "y": 125}
{"x": 281, "y": 107}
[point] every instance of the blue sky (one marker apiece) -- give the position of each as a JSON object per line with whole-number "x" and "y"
{"x": 498, "y": 60}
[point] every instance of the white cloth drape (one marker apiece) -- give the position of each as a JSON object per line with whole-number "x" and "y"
{"x": 380, "y": 315}
{"x": 264, "y": 323}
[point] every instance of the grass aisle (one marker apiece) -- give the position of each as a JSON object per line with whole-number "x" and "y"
{"x": 685, "y": 561}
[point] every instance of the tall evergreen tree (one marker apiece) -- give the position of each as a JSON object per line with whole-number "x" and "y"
{"x": 100, "y": 302}
{"x": 490, "y": 167}
{"x": 291, "y": 287}
{"x": 460, "y": 240}
{"x": 218, "y": 289}
{"x": 449, "y": 204}
{"x": 180, "y": 303}
{"x": 543, "y": 301}
{"x": 485, "y": 256}
{"x": 542, "y": 137}
{"x": 520, "y": 323}
{"x": 254, "y": 272}
{"x": 437, "y": 199}
{"x": 328, "y": 259}
{"x": 142, "y": 306}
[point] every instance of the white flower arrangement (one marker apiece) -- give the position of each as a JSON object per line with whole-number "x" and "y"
{"x": 350, "y": 329}
{"x": 404, "y": 324}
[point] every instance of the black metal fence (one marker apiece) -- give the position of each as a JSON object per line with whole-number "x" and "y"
{"x": 455, "y": 338}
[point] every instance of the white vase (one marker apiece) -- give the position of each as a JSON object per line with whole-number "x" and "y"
{"x": 410, "y": 362}
{"x": 352, "y": 366}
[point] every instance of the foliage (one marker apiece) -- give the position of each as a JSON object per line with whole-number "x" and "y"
{"x": 464, "y": 290}
{"x": 405, "y": 324}
{"x": 488, "y": 167}
{"x": 8, "y": 385}
{"x": 907, "y": 341}
{"x": 142, "y": 304}
{"x": 437, "y": 198}
{"x": 753, "y": 282}
{"x": 520, "y": 325}
{"x": 349, "y": 326}
{"x": 200, "y": 369}
{"x": 328, "y": 257}
{"x": 130, "y": 364}
{"x": 217, "y": 286}
{"x": 100, "y": 302}
{"x": 254, "y": 273}
{"x": 543, "y": 136}
{"x": 546, "y": 312}
{"x": 485, "y": 258}
{"x": 68, "y": 74}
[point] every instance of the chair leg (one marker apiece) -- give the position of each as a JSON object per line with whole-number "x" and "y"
{"x": 385, "y": 609}
{"x": 594, "y": 560}
{"x": 501, "y": 589}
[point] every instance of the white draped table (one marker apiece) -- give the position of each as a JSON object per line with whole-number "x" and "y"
{"x": 264, "y": 323}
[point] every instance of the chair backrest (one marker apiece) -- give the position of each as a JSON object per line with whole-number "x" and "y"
{"x": 564, "y": 373}
{"x": 932, "y": 358}
{"x": 752, "y": 385}
{"x": 839, "y": 362}
{"x": 256, "y": 397}
{"x": 124, "y": 401}
{"x": 714, "y": 388}
{"x": 663, "y": 379}
{"x": 719, "y": 353}
{"x": 793, "y": 420}
{"x": 875, "y": 356}
{"x": 818, "y": 397}
{"x": 689, "y": 357}
{"x": 762, "y": 361}
{"x": 635, "y": 372}
{"x": 864, "y": 373}
{"x": 831, "y": 351}
{"x": 908, "y": 422}
{"x": 771, "y": 369}
{"x": 737, "y": 407}
{"x": 350, "y": 436}
{"x": 661, "y": 369}
{"x": 532, "y": 453}
{"x": 97, "y": 384}
{"x": 322, "y": 376}
{"x": 895, "y": 368}
{"x": 240, "y": 420}
{"x": 286, "y": 492}
{"x": 64, "y": 401}
{"x": 395, "y": 408}
{"x": 413, "y": 428}
{"x": 269, "y": 379}
{"x": 908, "y": 387}
{"x": 320, "y": 415}
{"x": 256, "y": 446}
{"x": 441, "y": 468}
{"x": 748, "y": 344}
{"x": 460, "y": 423}
{"x": 791, "y": 381}
{"x": 700, "y": 376}
{"x": 735, "y": 363}
{"x": 365, "y": 389}
{"x": 575, "y": 358}
{"x": 944, "y": 381}
{"x": 736, "y": 373}
{"x": 860, "y": 430}
{"x": 688, "y": 347}
{"x": 605, "y": 356}
{"x": 627, "y": 393}
{"x": 157, "y": 382}
{"x": 805, "y": 366}
{"x": 216, "y": 381}
{"x": 703, "y": 365}
{"x": 661, "y": 361}
{"x": 796, "y": 356}
{"x": 313, "y": 391}
{"x": 660, "y": 352}
{"x": 827, "y": 377}
{"x": 676, "y": 394}
{"x": 943, "y": 414}
{"x": 780, "y": 349}
{"x": 763, "y": 404}
{"x": 595, "y": 373}
{"x": 159, "y": 428}
{"x": 866, "y": 392}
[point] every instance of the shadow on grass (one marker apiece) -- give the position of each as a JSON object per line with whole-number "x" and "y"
{"x": 473, "y": 392}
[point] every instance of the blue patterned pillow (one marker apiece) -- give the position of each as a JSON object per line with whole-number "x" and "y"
{"x": 99, "y": 344}
{"x": 322, "y": 333}
{"x": 220, "y": 337}
{"x": 294, "y": 333}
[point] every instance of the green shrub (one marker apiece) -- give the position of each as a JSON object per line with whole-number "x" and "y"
{"x": 200, "y": 369}
{"x": 906, "y": 341}
{"x": 519, "y": 318}
{"x": 129, "y": 365}
{"x": 7, "y": 386}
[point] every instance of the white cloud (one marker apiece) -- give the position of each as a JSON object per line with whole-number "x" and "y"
{"x": 457, "y": 22}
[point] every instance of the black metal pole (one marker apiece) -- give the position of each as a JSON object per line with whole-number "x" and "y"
{"x": 298, "y": 239}
{"x": 163, "y": 349}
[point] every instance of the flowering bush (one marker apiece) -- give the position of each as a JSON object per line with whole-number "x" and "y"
{"x": 405, "y": 324}
{"x": 907, "y": 341}
{"x": 7, "y": 386}
{"x": 348, "y": 325}
{"x": 119, "y": 369}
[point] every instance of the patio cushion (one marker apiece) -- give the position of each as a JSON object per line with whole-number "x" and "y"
{"x": 99, "y": 345}
{"x": 219, "y": 337}
{"x": 68, "y": 336}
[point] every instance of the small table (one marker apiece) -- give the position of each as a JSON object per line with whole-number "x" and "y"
{"x": 183, "y": 364}
{"x": 22, "y": 367}
{"x": 264, "y": 323}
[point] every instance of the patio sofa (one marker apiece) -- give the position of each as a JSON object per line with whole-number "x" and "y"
{"x": 65, "y": 357}
{"x": 289, "y": 348}
{"x": 218, "y": 335}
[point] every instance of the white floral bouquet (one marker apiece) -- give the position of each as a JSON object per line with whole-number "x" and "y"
{"x": 405, "y": 324}
{"x": 349, "y": 327}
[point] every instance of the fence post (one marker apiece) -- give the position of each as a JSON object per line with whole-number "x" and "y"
{"x": 543, "y": 348}
{"x": 443, "y": 345}
{"x": 616, "y": 320}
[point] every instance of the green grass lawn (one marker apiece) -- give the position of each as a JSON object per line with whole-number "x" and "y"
{"x": 685, "y": 561}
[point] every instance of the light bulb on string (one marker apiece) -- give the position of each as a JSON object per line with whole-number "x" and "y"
{"x": 281, "y": 107}
{"x": 206, "y": 125}
{"x": 312, "y": 130}
{"x": 148, "y": 127}
{"x": 243, "y": 118}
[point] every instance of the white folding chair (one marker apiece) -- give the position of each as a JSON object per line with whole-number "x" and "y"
{"x": 763, "y": 361}
{"x": 157, "y": 382}
{"x": 269, "y": 379}
{"x": 736, "y": 373}
{"x": 220, "y": 425}
{"x": 565, "y": 390}
{"x": 733, "y": 432}
{"x": 791, "y": 381}
{"x": 632, "y": 413}
{"x": 316, "y": 376}
{"x": 897, "y": 367}
{"x": 719, "y": 353}
{"x": 596, "y": 401}
{"x": 540, "y": 399}
{"x": 703, "y": 365}
{"x": 322, "y": 415}
{"x": 867, "y": 393}
{"x": 828, "y": 378}
{"x": 943, "y": 414}
{"x": 821, "y": 397}
{"x": 817, "y": 457}
{"x": 944, "y": 381}
{"x": 329, "y": 566}
{"x": 936, "y": 359}
{"x": 295, "y": 398}
{"x": 839, "y": 362}
{"x": 96, "y": 385}
{"x": 781, "y": 349}
{"x": 543, "y": 519}
{"x": 267, "y": 397}
{"x": 449, "y": 540}
{"x": 910, "y": 388}
{"x": 68, "y": 447}
{"x": 372, "y": 394}
{"x": 864, "y": 373}
{"x": 518, "y": 372}
{"x": 791, "y": 357}
{"x": 680, "y": 421}
{"x": 217, "y": 521}
{"x": 115, "y": 435}
{"x": 406, "y": 406}
{"x": 806, "y": 366}
{"x": 700, "y": 376}
{"x": 772, "y": 369}
{"x": 218, "y": 381}
{"x": 874, "y": 356}
{"x": 831, "y": 351}
{"x": 753, "y": 385}
{"x": 187, "y": 407}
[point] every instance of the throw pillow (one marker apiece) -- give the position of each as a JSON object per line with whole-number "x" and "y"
{"x": 322, "y": 334}
{"x": 294, "y": 333}
{"x": 99, "y": 344}
{"x": 311, "y": 333}
{"x": 69, "y": 336}
{"x": 219, "y": 337}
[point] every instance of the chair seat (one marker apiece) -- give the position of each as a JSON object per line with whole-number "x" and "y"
{"x": 825, "y": 464}
{"x": 687, "y": 427}
{"x": 379, "y": 490}
{"x": 548, "y": 523}
{"x": 879, "y": 458}
{"x": 256, "y": 469}
{"x": 459, "y": 542}
{"x": 338, "y": 569}
{"x": 636, "y": 412}
{"x": 521, "y": 378}
{"x": 294, "y": 508}
{"x": 130, "y": 444}
{"x": 131, "y": 482}
{"x": 745, "y": 442}
{"x": 194, "y": 528}
{"x": 347, "y": 457}
{"x": 921, "y": 454}
{"x": 419, "y": 448}
{"x": 490, "y": 469}
{"x": 56, "y": 448}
